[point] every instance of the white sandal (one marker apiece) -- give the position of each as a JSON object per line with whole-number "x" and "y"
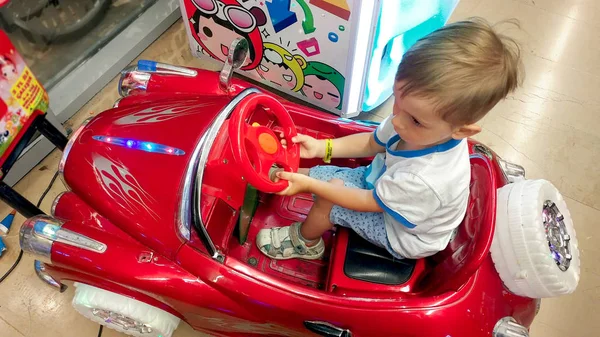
{"x": 284, "y": 243}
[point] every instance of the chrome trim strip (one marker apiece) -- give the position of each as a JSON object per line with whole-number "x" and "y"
{"x": 165, "y": 68}
{"x": 77, "y": 240}
{"x": 238, "y": 52}
{"x": 40, "y": 271}
{"x": 55, "y": 203}
{"x": 195, "y": 173}
{"x": 67, "y": 151}
{"x": 327, "y": 329}
{"x": 484, "y": 150}
{"x": 116, "y": 104}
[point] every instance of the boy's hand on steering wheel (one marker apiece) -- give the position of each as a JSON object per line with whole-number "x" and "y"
{"x": 297, "y": 183}
{"x": 309, "y": 146}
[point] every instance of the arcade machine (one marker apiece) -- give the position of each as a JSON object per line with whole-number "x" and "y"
{"x": 23, "y": 107}
{"x": 340, "y": 55}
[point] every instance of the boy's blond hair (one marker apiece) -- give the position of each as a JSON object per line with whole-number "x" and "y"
{"x": 465, "y": 68}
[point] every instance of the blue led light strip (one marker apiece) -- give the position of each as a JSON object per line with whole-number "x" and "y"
{"x": 140, "y": 145}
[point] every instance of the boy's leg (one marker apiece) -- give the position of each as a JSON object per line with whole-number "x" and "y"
{"x": 317, "y": 221}
{"x": 304, "y": 240}
{"x": 291, "y": 242}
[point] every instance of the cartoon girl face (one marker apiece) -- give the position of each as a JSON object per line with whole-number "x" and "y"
{"x": 320, "y": 88}
{"x": 4, "y": 136}
{"x": 323, "y": 83}
{"x": 8, "y": 70}
{"x": 4, "y": 133}
{"x": 280, "y": 67}
{"x": 217, "y": 23}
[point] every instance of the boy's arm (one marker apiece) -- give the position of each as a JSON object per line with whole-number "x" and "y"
{"x": 355, "y": 199}
{"x": 351, "y": 198}
{"x": 358, "y": 145}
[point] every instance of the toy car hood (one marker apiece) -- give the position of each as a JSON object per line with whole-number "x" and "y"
{"x": 107, "y": 160}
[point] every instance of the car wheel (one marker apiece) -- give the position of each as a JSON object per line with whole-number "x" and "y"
{"x": 534, "y": 248}
{"x": 122, "y": 313}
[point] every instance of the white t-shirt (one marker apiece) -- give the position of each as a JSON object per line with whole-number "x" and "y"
{"x": 424, "y": 193}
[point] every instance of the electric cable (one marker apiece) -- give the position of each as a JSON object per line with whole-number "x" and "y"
{"x": 12, "y": 268}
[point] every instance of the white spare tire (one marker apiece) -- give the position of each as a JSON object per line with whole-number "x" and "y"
{"x": 534, "y": 248}
{"x": 122, "y": 313}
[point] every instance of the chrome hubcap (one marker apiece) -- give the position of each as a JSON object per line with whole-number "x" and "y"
{"x": 557, "y": 236}
{"x": 126, "y": 323}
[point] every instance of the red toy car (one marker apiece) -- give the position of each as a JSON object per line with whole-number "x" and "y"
{"x": 159, "y": 227}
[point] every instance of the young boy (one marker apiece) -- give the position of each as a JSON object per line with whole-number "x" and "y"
{"x": 415, "y": 192}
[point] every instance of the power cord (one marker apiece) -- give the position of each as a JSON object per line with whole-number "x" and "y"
{"x": 13, "y": 267}
{"x": 21, "y": 252}
{"x": 38, "y": 205}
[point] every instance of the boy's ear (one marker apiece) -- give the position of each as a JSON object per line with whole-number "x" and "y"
{"x": 466, "y": 131}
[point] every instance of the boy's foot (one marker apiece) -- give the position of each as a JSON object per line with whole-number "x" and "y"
{"x": 284, "y": 243}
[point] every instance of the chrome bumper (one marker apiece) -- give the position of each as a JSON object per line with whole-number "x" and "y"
{"x": 512, "y": 172}
{"x": 40, "y": 270}
{"x": 508, "y": 327}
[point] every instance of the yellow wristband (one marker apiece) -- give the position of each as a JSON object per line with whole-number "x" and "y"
{"x": 328, "y": 150}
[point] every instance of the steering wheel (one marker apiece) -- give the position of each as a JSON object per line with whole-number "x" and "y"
{"x": 256, "y": 147}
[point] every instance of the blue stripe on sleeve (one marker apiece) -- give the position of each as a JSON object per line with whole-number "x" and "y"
{"x": 393, "y": 213}
{"x": 377, "y": 140}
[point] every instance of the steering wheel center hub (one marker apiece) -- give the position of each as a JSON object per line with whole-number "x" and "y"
{"x": 268, "y": 143}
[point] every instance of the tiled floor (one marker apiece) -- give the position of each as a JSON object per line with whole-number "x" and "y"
{"x": 550, "y": 126}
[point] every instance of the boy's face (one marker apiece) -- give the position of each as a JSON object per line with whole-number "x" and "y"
{"x": 417, "y": 123}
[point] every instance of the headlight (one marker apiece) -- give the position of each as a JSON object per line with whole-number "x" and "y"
{"x": 132, "y": 79}
{"x": 39, "y": 233}
{"x": 508, "y": 327}
{"x": 35, "y": 236}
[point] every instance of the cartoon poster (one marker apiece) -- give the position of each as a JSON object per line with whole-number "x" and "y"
{"x": 297, "y": 46}
{"x": 20, "y": 93}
